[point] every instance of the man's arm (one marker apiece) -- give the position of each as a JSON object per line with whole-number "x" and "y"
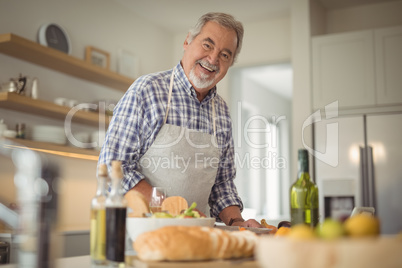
{"x": 232, "y": 216}
{"x": 143, "y": 187}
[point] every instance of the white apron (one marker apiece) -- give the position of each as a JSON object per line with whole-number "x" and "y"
{"x": 183, "y": 161}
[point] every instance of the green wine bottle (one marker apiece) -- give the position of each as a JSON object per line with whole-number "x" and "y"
{"x": 304, "y": 195}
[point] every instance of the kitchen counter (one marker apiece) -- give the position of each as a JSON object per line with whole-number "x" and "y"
{"x": 132, "y": 261}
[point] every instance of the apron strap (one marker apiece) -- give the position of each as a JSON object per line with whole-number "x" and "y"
{"x": 213, "y": 116}
{"x": 170, "y": 98}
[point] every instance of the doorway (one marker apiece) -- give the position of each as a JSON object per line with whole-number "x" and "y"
{"x": 261, "y": 101}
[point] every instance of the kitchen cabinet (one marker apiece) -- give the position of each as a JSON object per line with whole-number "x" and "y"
{"x": 358, "y": 69}
{"x": 18, "y": 47}
{"x": 388, "y": 58}
{"x": 343, "y": 69}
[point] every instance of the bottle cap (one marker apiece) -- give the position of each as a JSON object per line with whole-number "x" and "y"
{"x": 303, "y": 160}
{"x": 303, "y": 153}
{"x": 102, "y": 170}
{"x": 117, "y": 172}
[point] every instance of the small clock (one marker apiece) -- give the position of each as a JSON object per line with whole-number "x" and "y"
{"x": 54, "y": 36}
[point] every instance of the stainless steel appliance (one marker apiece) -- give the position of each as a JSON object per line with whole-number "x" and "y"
{"x": 368, "y": 150}
{"x": 4, "y": 252}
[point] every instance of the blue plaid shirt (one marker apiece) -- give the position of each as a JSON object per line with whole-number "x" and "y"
{"x": 139, "y": 116}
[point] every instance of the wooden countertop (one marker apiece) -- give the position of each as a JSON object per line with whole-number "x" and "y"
{"x": 132, "y": 261}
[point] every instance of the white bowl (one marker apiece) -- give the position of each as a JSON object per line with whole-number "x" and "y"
{"x": 137, "y": 226}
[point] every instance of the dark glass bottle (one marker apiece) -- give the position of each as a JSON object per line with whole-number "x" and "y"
{"x": 116, "y": 208}
{"x": 304, "y": 195}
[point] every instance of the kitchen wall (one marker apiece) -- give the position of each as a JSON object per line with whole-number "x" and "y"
{"x": 99, "y": 23}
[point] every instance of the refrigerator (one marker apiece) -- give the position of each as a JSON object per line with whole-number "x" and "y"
{"x": 359, "y": 164}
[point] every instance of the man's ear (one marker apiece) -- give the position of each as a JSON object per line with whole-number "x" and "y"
{"x": 186, "y": 43}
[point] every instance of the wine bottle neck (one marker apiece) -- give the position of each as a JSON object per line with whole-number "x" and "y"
{"x": 101, "y": 190}
{"x": 116, "y": 186}
{"x": 303, "y": 166}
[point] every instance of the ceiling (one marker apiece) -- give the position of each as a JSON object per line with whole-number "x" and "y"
{"x": 181, "y": 15}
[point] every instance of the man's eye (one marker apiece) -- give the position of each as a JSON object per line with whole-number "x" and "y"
{"x": 225, "y": 56}
{"x": 207, "y": 46}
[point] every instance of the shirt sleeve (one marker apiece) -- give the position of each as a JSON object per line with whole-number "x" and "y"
{"x": 128, "y": 135}
{"x": 224, "y": 192}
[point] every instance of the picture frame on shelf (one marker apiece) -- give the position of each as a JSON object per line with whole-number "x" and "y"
{"x": 97, "y": 57}
{"x": 128, "y": 64}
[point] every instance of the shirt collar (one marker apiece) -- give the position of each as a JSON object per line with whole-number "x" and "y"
{"x": 181, "y": 77}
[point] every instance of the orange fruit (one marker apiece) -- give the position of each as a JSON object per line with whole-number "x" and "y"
{"x": 283, "y": 231}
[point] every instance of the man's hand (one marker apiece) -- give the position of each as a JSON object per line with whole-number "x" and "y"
{"x": 248, "y": 223}
{"x": 233, "y": 212}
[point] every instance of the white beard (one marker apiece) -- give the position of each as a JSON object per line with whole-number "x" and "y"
{"x": 204, "y": 81}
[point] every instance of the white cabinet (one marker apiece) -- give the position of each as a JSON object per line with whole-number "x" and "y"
{"x": 358, "y": 69}
{"x": 388, "y": 58}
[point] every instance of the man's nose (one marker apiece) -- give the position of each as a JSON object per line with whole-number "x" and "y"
{"x": 213, "y": 57}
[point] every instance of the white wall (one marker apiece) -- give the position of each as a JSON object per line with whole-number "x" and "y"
{"x": 99, "y": 23}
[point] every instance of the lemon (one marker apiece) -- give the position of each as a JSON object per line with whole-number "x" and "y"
{"x": 330, "y": 229}
{"x": 362, "y": 225}
{"x": 301, "y": 232}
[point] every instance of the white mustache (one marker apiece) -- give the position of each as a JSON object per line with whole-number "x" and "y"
{"x": 208, "y": 65}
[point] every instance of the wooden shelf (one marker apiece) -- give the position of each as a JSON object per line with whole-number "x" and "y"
{"x": 19, "y": 103}
{"x": 28, "y": 50}
{"x": 50, "y": 148}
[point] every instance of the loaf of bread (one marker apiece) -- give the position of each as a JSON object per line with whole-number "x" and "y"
{"x": 192, "y": 243}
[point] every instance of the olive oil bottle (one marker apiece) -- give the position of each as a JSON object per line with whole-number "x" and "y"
{"x": 304, "y": 195}
{"x": 98, "y": 219}
{"x": 116, "y": 209}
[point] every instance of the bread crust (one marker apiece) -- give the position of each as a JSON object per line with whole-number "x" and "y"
{"x": 194, "y": 243}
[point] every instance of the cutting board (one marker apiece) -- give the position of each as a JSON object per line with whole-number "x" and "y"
{"x": 239, "y": 263}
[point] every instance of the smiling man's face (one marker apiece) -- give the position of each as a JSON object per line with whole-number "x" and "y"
{"x": 208, "y": 57}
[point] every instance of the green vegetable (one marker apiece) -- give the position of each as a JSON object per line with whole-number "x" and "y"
{"x": 189, "y": 212}
{"x": 161, "y": 215}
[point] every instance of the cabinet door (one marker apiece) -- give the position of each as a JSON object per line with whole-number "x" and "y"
{"x": 388, "y": 53}
{"x": 343, "y": 69}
